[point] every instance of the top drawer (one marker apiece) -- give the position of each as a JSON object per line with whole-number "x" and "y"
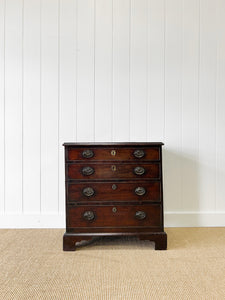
{"x": 111, "y": 153}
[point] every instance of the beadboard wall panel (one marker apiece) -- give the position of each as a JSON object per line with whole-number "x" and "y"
{"x": 121, "y": 71}
{"x": 2, "y": 105}
{"x": 103, "y": 69}
{"x": 138, "y": 70}
{"x": 156, "y": 71}
{"x": 49, "y": 105}
{"x": 110, "y": 70}
{"x": 85, "y": 96}
{"x": 31, "y": 106}
{"x": 67, "y": 85}
{"x": 189, "y": 106}
{"x": 173, "y": 103}
{"x": 207, "y": 101}
{"x": 220, "y": 108}
{"x": 13, "y": 97}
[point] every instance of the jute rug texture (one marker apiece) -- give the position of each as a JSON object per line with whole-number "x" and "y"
{"x": 33, "y": 266}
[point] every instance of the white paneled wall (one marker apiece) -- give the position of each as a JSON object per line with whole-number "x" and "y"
{"x": 112, "y": 70}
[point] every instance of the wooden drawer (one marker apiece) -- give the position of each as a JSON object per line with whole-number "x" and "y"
{"x": 109, "y": 171}
{"x": 115, "y": 191}
{"x": 114, "y": 216}
{"x": 113, "y": 153}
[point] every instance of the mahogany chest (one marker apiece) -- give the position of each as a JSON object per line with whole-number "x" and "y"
{"x": 114, "y": 189}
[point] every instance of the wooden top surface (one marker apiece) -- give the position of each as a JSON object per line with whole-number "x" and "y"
{"x": 127, "y": 144}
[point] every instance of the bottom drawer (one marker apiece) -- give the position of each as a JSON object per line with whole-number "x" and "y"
{"x": 148, "y": 215}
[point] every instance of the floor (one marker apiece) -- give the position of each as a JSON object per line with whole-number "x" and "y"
{"x": 33, "y": 266}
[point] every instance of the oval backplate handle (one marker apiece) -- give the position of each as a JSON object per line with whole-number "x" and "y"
{"x": 88, "y": 215}
{"x": 139, "y": 153}
{"x": 88, "y": 191}
{"x": 140, "y": 215}
{"x": 140, "y": 191}
{"x": 139, "y": 170}
{"x": 87, "y": 171}
{"x": 87, "y": 153}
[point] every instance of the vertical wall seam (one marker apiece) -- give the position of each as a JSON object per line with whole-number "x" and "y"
{"x": 164, "y": 71}
{"x": 147, "y": 71}
{"x": 76, "y": 63}
{"x": 164, "y": 89}
{"x": 22, "y": 110}
{"x": 59, "y": 91}
{"x": 199, "y": 63}
{"x": 181, "y": 104}
{"x": 4, "y": 146}
{"x": 40, "y": 206}
{"x": 216, "y": 105}
{"x": 112, "y": 79}
{"x": 129, "y": 92}
{"x": 94, "y": 69}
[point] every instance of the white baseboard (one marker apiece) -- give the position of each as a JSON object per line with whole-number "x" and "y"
{"x": 55, "y": 220}
{"x": 44, "y": 220}
{"x": 194, "y": 219}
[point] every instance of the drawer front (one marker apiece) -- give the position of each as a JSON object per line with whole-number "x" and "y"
{"x": 113, "y": 171}
{"x": 148, "y": 215}
{"x": 90, "y": 154}
{"x": 115, "y": 191}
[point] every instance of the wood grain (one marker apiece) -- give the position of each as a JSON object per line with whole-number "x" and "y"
{"x": 126, "y": 171}
{"x": 124, "y": 216}
{"x": 119, "y": 155}
{"x": 123, "y": 191}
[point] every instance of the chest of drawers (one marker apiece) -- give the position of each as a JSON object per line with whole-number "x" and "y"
{"x": 114, "y": 189}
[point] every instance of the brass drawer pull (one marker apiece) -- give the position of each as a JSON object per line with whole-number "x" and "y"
{"x": 114, "y": 209}
{"x": 139, "y": 170}
{"x": 140, "y": 191}
{"x": 88, "y": 215}
{"x": 87, "y": 153}
{"x": 88, "y": 191}
{"x": 140, "y": 215}
{"x": 87, "y": 171}
{"x": 139, "y": 153}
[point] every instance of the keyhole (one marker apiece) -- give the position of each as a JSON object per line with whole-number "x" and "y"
{"x": 114, "y": 168}
{"x": 114, "y": 187}
{"x": 113, "y": 152}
